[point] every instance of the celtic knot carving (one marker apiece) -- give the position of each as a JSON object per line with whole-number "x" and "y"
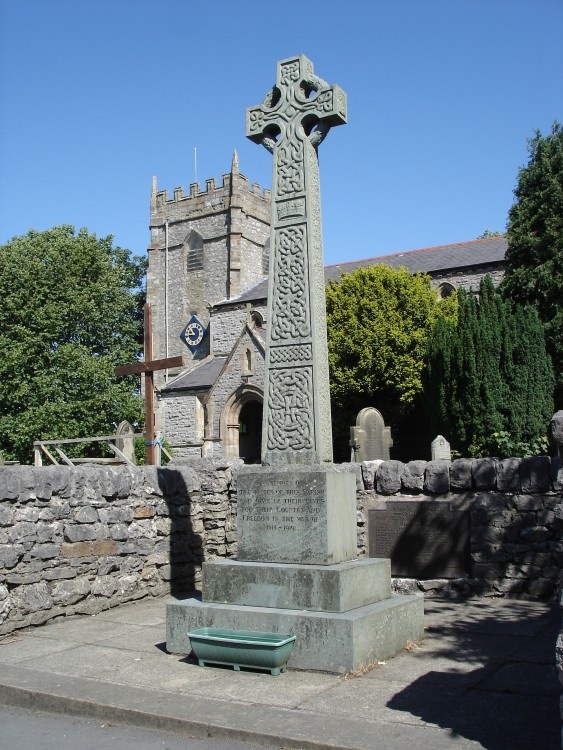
{"x": 290, "y": 421}
{"x": 291, "y": 122}
{"x": 290, "y": 306}
{"x": 289, "y": 354}
{"x": 290, "y": 73}
{"x": 289, "y": 173}
{"x": 324, "y": 101}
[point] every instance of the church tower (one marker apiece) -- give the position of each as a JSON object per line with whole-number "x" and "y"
{"x": 205, "y": 247}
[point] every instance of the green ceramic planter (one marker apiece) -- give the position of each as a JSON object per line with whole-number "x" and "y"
{"x": 242, "y": 648}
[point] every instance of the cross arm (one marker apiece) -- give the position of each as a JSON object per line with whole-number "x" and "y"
{"x": 151, "y": 366}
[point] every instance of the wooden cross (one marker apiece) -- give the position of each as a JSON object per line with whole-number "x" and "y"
{"x": 148, "y": 367}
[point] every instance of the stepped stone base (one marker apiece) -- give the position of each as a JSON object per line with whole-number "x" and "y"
{"x": 321, "y": 588}
{"x": 329, "y": 641}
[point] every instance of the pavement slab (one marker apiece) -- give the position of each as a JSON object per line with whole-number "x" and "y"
{"x": 484, "y": 677}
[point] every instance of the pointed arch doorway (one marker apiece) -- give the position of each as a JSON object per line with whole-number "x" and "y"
{"x": 241, "y": 425}
{"x": 250, "y": 432}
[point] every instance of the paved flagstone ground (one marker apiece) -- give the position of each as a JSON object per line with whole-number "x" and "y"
{"x": 484, "y": 677}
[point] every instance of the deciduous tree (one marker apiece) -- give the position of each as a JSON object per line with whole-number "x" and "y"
{"x": 71, "y": 311}
{"x": 378, "y": 321}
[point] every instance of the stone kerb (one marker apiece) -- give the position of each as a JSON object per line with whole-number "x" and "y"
{"x": 516, "y": 507}
{"x": 78, "y": 540}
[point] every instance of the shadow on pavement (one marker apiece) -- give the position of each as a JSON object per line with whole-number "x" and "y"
{"x": 510, "y": 701}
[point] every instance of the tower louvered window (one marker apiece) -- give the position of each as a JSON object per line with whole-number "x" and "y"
{"x": 194, "y": 255}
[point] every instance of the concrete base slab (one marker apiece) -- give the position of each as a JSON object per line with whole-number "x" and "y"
{"x": 339, "y": 642}
{"x": 321, "y": 588}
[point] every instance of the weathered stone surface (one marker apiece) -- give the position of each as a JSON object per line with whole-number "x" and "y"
{"x": 461, "y": 474}
{"x": 70, "y": 592}
{"x": 78, "y": 533}
{"x": 104, "y": 547}
{"x": 9, "y": 484}
{"x": 6, "y": 514}
{"x": 535, "y": 474}
{"x": 556, "y": 473}
{"x": 535, "y": 534}
{"x": 484, "y": 472}
{"x": 78, "y": 549}
{"x": 60, "y": 480}
{"x": 440, "y": 449}
{"x": 86, "y": 514}
{"x": 5, "y": 603}
{"x": 298, "y": 514}
{"x": 527, "y": 502}
{"x": 42, "y": 481}
{"x": 437, "y": 477}
{"x": 516, "y": 537}
{"x": 388, "y": 477}
{"x": 10, "y": 555}
{"x": 46, "y": 551}
{"x": 323, "y": 588}
{"x": 23, "y": 531}
{"x": 32, "y": 598}
{"x": 412, "y": 477}
{"x": 335, "y": 642}
{"x": 508, "y": 475}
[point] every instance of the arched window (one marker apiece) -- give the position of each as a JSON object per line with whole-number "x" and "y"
{"x": 257, "y": 318}
{"x": 446, "y": 290}
{"x": 194, "y": 254}
{"x": 246, "y": 361}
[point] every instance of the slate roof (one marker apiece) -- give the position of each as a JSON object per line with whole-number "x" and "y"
{"x": 202, "y": 376}
{"x": 430, "y": 260}
{"x": 484, "y": 252}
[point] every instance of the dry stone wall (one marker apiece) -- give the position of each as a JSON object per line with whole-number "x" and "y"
{"x": 516, "y": 509}
{"x": 78, "y": 540}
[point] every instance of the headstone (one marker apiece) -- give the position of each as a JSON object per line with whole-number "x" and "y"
{"x": 441, "y": 449}
{"x": 296, "y": 514}
{"x": 374, "y": 438}
{"x": 557, "y": 431}
{"x": 125, "y": 445}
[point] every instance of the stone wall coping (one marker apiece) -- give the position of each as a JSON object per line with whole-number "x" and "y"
{"x": 534, "y": 475}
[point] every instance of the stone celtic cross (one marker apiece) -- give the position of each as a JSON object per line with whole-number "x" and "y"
{"x": 291, "y": 122}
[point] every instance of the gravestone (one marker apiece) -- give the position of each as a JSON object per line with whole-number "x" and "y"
{"x": 296, "y": 569}
{"x": 373, "y": 437}
{"x": 123, "y": 444}
{"x": 557, "y": 431}
{"x": 440, "y": 449}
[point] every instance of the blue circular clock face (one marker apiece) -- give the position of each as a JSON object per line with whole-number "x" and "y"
{"x": 194, "y": 333}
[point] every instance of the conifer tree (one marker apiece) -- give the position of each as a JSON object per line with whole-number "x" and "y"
{"x": 489, "y": 381}
{"x": 534, "y": 258}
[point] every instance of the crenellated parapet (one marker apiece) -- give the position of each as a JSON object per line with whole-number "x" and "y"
{"x": 211, "y": 196}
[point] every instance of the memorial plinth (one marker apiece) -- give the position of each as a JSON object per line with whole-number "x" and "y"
{"x": 296, "y": 571}
{"x": 298, "y": 514}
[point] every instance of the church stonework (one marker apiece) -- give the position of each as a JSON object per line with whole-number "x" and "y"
{"x": 206, "y": 247}
{"x": 208, "y": 259}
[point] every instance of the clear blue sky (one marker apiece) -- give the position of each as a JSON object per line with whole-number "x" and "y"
{"x": 97, "y": 96}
